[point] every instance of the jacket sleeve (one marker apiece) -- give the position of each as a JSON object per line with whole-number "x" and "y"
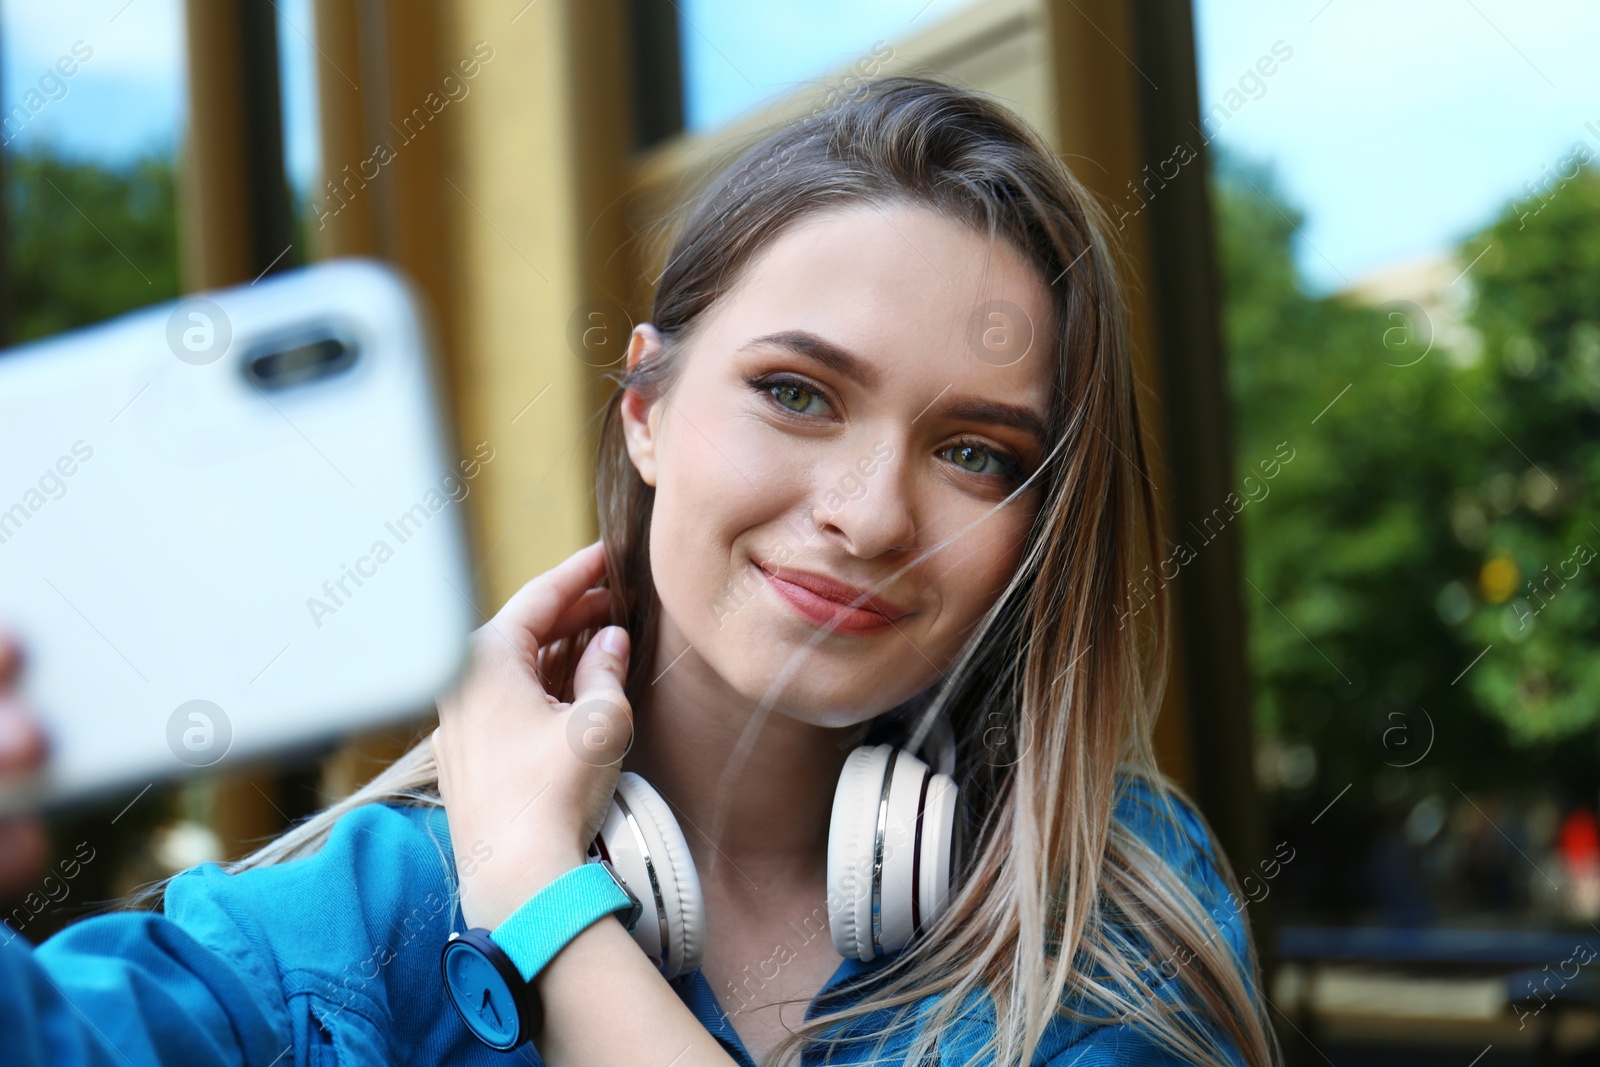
{"x": 331, "y": 958}
{"x": 134, "y": 989}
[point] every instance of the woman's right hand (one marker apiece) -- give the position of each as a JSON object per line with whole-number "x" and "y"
{"x": 24, "y": 850}
{"x": 505, "y": 741}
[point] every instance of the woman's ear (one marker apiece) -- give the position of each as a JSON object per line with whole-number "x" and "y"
{"x": 641, "y": 416}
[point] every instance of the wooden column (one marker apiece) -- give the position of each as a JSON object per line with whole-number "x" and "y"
{"x": 1126, "y": 98}
{"x": 334, "y": 227}
{"x": 541, "y": 147}
{"x": 502, "y": 205}
{"x": 390, "y": 127}
{"x": 234, "y": 215}
{"x": 234, "y": 223}
{"x": 1097, "y": 125}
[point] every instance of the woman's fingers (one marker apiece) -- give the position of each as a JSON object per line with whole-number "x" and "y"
{"x": 508, "y": 650}
{"x": 22, "y": 743}
{"x": 21, "y": 739}
{"x": 533, "y": 610}
{"x": 24, "y": 852}
{"x": 505, "y": 773}
{"x": 599, "y": 726}
{"x": 24, "y": 845}
{"x": 604, "y": 727}
{"x": 593, "y": 608}
{"x": 604, "y": 666}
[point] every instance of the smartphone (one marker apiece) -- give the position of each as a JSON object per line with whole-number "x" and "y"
{"x": 230, "y": 525}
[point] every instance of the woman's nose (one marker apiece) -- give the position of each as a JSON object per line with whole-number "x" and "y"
{"x": 866, "y": 503}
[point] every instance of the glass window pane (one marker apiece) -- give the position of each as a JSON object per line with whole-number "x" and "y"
{"x": 94, "y": 97}
{"x": 739, "y": 55}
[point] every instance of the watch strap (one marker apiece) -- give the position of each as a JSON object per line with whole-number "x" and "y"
{"x": 533, "y": 934}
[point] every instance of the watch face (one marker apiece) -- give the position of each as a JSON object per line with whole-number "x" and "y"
{"x": 481, "y": 995}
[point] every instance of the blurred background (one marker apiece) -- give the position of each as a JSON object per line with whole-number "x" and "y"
{"x": 1366, "y": 239}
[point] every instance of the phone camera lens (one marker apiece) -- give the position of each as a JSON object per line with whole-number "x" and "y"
{"x": 279, "y": 366}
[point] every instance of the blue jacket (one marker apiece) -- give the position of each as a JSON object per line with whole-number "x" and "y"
{"x": 334, "y": 959}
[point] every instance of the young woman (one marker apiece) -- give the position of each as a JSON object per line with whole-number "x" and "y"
{"x": 874, "y": 472}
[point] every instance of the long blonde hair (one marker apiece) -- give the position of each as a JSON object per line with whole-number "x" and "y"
{"x": 1060, "y": 908}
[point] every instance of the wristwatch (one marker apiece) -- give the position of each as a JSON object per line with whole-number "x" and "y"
{"x": 489, "y": 975}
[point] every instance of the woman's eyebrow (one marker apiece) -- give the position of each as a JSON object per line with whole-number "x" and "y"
{"x": 805, "y": 343}
{"x": 995, "y": 413}
{"x": 847, "y": 363}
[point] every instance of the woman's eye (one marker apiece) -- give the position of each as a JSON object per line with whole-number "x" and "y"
{"x": 796, "y": 396}
{"x": 981, "y": 460}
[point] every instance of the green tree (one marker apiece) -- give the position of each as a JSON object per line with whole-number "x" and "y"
{"x": 1353, "y": 563}
{"x": 1530, "y": 511}
{"x": 86, "y": 242}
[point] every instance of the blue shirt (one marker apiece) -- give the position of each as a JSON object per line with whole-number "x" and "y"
{"x": 333, "y": 959}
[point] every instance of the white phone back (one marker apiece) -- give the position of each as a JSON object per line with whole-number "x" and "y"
{"x": 201, "y": 570}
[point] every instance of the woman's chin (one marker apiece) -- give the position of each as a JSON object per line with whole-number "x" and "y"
{"x": 804, "y": 696}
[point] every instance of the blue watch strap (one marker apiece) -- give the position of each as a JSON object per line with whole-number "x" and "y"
{"x": 563, "y": 909}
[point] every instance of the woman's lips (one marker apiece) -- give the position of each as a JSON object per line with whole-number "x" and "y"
{"x": 820, "y": 611}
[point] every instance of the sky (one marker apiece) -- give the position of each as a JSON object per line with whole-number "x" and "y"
{"x": 1401, "y": 126}
{"x": 129, "y": 98}
{"x": 1397, "y": 126}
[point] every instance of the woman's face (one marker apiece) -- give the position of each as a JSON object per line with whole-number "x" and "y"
{"x": 872, "y": 389}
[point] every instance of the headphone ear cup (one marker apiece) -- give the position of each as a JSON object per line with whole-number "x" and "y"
{"x": 937, "y": 862}
{"x": 893, "y": 817}
{"x": 851, "y": 834}
{"x": 647, "y": 848}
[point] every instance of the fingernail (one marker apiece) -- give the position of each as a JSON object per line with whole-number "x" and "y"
{"x": 614, "y": 639}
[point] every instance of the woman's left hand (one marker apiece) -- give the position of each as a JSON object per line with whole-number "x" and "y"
{"x": 527, "y": 779}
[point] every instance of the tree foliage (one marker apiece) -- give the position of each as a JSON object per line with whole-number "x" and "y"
{"x": 86, "y": 242}
{"x": 1428, "y": 487}
{"x": 1530, "y": 512}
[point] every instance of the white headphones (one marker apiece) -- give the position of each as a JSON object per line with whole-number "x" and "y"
{"x": 892, "y": 845}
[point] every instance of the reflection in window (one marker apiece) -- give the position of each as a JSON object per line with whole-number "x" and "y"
{"x": 94, "y": 103}
{"x": 737, "y": 56}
